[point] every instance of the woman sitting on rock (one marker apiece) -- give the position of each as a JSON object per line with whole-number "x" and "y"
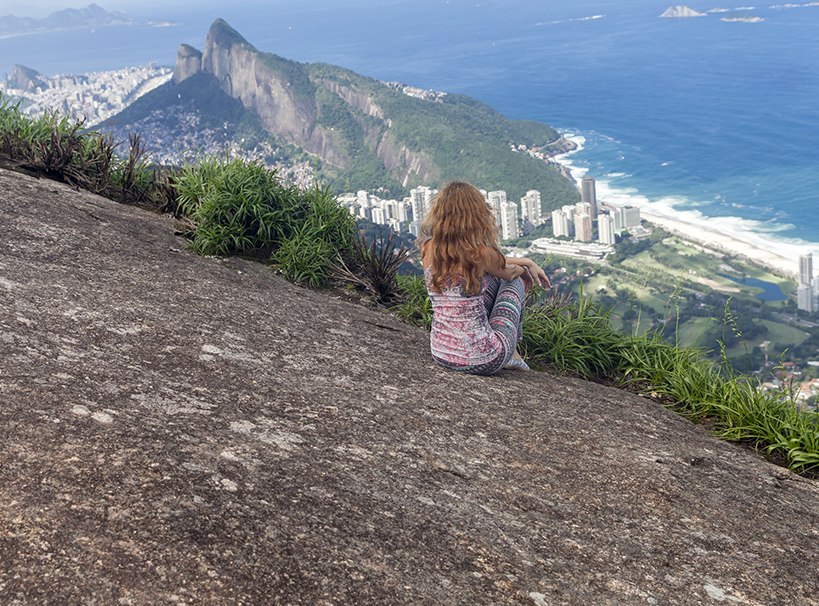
{"x": 477, "y": 294}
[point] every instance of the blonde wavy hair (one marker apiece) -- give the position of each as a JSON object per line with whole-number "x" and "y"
{"x": 459, "y": 238}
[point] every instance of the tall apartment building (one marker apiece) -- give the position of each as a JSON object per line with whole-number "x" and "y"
{"x": 420, "y": 199}
{"x": 509, "y": 220}
{"x": 560, "y": 227}
{"x": 402, "y": 210}
{"x": 583, "y": 227}
{"x": 617, "y": 216}
{"x": 496, "y": 200}
{"x": 806, "y": 269}
{"x": 805, "y": 293}
{"x": 588, "y": 194}
{"x": 378, "y": 215}
{"x": 630, "y": 216}
{"x": 530, "y": 207}
{"x": 605, "y": 228}
{"x": 582, "y": 208}
{"x": 563, "y": 221}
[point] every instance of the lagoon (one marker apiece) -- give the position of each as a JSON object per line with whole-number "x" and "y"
{"x": 771, "y": 293}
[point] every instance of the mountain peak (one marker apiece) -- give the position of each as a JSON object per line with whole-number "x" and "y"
{"x": 24, "y": 78}
{"x": 188, "y": 63}
{"x": 222, "y": 34}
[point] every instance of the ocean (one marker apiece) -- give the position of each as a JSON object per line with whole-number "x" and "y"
{"x": 718, "y": 119}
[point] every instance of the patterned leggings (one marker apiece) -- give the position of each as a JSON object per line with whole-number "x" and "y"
{"x": 504, "y": 301}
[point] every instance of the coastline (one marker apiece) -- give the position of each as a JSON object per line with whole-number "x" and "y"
{"x": 729, "y": 235}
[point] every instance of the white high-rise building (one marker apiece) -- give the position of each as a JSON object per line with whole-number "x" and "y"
{"x": 806, "y": 298}
{"x": 530, "y": 208}
{"x": 605, "y": 228}
{"x": 421, "y": 201}
{"x": 559, "y": 227}
{"x": 389, "y": 208}
{"x": 583, "y": 227}
{"x": 402, "y": 211}
{"x": 805, "y": 292}
{"x": 568, "y": 220}
{"x": 365, "y": 212}
{"x": 362, "y": 197}
{"x": 618, "y": 220}
{"x": 806, "y": 269}
{"x": 378, "y": 215}
{"x": 582, "y": 208}
{"x": 631, "y": 216}
{"x": 509, "y": 220}
{"x": 496, "y": 200}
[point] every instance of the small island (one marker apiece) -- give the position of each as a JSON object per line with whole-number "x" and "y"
{"x": 680, "y": 11}
{"x": 743, "y": 19}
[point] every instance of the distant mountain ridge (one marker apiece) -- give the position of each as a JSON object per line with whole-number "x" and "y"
{"x": 362, "y": 133}
{"x": 91, "y": 16}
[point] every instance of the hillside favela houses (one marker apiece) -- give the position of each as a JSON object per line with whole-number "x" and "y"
{"x": 586, "y": 230}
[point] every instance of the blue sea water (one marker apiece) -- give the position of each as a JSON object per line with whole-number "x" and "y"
{"x": 707, "y": 116}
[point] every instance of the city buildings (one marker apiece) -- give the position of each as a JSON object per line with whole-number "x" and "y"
{"x": 575, "y": 221}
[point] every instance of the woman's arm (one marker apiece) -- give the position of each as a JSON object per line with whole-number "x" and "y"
{"x": 535, "y": 271}
{"x": 492, "y": 263}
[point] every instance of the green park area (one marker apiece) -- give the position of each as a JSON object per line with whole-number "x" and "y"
{"x": 695, "y": 296}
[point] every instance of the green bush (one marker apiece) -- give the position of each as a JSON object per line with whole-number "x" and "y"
{"x": 305, "y": 258}
{"x": 576, "y": 337}
{"x": 238, "y": 207}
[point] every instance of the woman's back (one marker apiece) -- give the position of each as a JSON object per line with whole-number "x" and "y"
{"x": 460, "y": 334}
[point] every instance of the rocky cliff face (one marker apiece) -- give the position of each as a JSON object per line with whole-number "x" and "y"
{"x": 188, "y": 63}
{"x": 188, "y": 430}
{"x": 354, "y": 98}
{"x": 284, "y": 109}
{"x": 411, "y": 166}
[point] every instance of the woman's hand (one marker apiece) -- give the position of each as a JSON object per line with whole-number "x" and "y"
{"x": 534, "y": 273}
{"x": 538, "y": 275}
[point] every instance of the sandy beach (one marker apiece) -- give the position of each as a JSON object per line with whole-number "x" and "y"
{"x": 708, "y": 233}
{"x": 731, "y": 235}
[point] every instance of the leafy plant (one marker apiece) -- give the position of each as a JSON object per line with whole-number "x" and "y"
{"x": 374, "y": 267}
{"x": 305, "y": 258}
{"x": 238, "y": 207}
{"x": 576, "y": 337}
